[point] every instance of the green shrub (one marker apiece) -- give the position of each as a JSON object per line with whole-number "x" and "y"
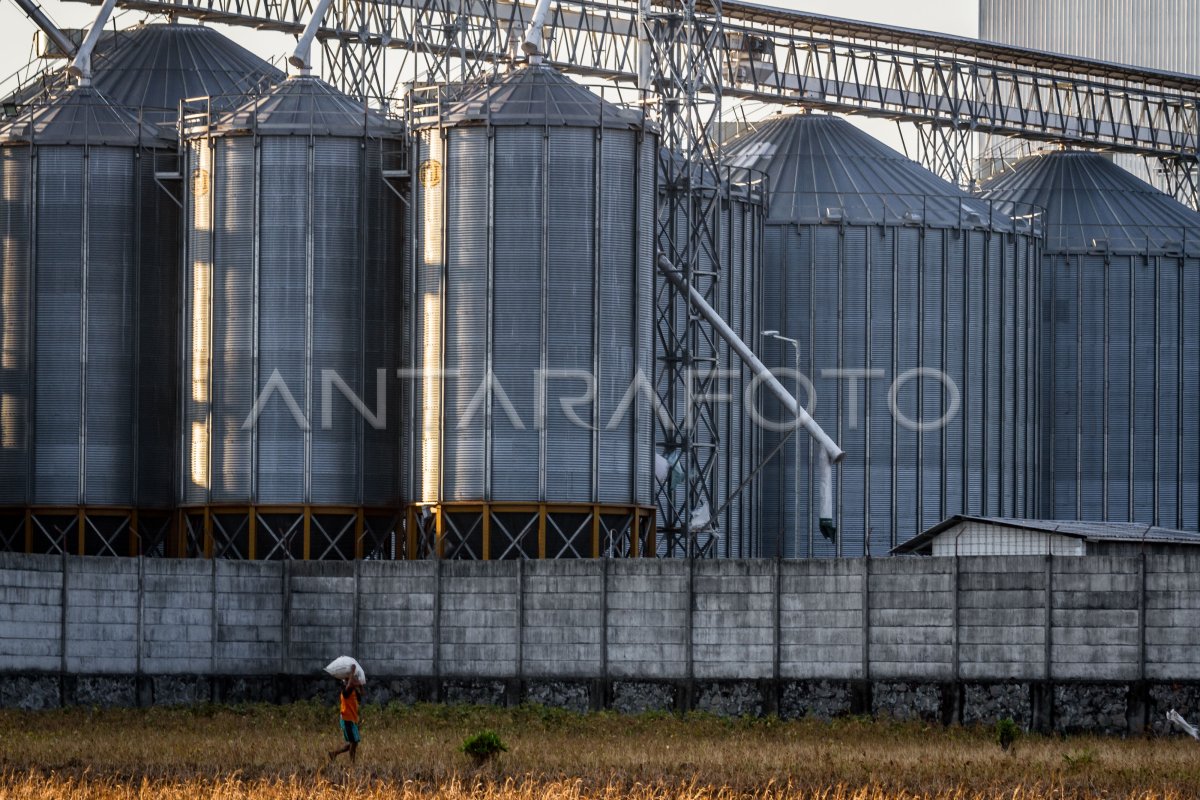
{"x": 1007, "y": 732}
{"x": 483, "y": 746}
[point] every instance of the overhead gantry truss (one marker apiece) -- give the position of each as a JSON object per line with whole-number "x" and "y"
{"x": 771, "y": 55}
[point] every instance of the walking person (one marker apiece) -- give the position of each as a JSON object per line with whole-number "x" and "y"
{"x": 348, "y": 702}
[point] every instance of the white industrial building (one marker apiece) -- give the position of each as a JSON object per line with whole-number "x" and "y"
{"x": 962, "y": 535}
{"x": 1156, "y": 34}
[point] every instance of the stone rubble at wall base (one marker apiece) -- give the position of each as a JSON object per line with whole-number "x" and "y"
{"x": 1109, "y": 708}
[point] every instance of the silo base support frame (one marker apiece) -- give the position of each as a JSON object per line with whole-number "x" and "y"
{"x": 86, "y": 531}
{"x": 496, "y": 531}
{"x": 289, "y": 532}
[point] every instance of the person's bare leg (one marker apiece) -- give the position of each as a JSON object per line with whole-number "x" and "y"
{"x": 346, "y": 748}
{"x": 353, "y": 750}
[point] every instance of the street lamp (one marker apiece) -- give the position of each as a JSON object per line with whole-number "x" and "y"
{"x": 796, "y": 467}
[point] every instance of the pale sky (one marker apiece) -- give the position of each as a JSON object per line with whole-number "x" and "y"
{"x": 949, "y": 16}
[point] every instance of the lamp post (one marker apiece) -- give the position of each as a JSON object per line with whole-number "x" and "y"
{"x": 796, "y": 466}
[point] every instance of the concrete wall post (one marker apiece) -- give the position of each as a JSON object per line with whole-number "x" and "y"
{"x": 62, "y": 630}
{"x": 1048, "y": 665}
{"x": 212, "y": 656}
{"x": 866, "y": 619}
{"x": 437, "y": 630}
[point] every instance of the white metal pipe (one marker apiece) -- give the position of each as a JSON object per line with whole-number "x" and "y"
{"x": 643, "y": 39}
{"x": 301, "y": 57}
{"x": 826, "y": 485}
{"x": 40, "y": 19}
{"x": 533, "y": 44}
{"x": 81, "y": 67}
{"x": 828, "y": 446}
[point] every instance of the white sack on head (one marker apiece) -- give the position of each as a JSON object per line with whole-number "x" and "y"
{"x": 342, "y": 666}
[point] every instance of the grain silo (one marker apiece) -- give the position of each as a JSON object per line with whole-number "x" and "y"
{"x": 1121, "y": 355}
{"x": 291, "y": 297}
{"x": 532, "y": 275}
{"x": 731, "y": 279}
{"x": 84, "y": 432}
{"x": 911, "y": 304}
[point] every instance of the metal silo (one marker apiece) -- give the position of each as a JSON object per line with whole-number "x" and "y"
{"x": 84, "y": 432}
{"x": 1121, "y": 357}
{"x": 532, "y": 264}
{"x": 291, "y": 293}
{"x": 911, "y": 303}
{"x": 738, "y": 224}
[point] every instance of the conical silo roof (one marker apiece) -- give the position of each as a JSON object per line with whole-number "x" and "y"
{"x": 79, "y": 116}
{"x": 305, "y": 105}
{"x": 1092, "y": 204}
{"x": 821, "y": 167}
{"x": 538, "y": 95}
{"x": 153, "y": 67}
{"x": 150, "y": 68}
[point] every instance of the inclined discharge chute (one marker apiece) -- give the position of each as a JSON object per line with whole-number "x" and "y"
{"x": 830, "y": 453}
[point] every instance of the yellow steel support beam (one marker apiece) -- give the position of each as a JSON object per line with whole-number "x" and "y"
{"x": 487, "y": 532}
{"x": 307, "y": 533}
{"x": 595, "y": 531}
{"x": 252, "y": 532}
{"x": 541, "y": 531}
{"x": 208, "y": 534}
{"x": 358, "y": 534}
{"x": 439, "y": 533}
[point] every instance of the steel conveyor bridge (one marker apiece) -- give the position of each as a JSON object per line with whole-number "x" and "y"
{"x": 762, "y": 53}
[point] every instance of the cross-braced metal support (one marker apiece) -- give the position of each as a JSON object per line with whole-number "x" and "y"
{"x": 949, "y": 152}
{"x": 680, "y": 59}
{"x": 500, "y": 531}
{"x": 275, "y": 533}
{"x": 1178, "y": 177}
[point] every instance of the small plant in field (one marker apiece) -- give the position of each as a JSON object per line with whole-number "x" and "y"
{"x": 1007, "y": 733}
{"x": 1081, "y": 759}
{"x": 483, "y": 746}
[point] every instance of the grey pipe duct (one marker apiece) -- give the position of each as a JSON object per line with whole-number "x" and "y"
{"x": 81, "y": 67}
{"x": 533, "y": 44}
{"x": 301, "y": 57}
{"x": 830, "y": 452}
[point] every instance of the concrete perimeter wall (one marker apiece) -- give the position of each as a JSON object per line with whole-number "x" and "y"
{"x": 1070, "y": 643}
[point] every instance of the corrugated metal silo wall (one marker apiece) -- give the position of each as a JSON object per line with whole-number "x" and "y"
{"x": 15, "y": 324}
{"x": 293, "y": 270}
{"x": 894, "y": 300}
{"x": 79, "y": 218}
{"x": 532, "y": 253}
{"x": 158, "y": 341}
{"x": 742, "y": 235}
{"x": 1121, "y": 358}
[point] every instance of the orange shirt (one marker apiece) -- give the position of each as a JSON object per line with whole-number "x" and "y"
{"x": 349, "y": 705}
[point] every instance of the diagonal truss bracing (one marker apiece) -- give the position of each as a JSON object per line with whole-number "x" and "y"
{"x": 766, "y": 54}
{"x": 682, "y": 72}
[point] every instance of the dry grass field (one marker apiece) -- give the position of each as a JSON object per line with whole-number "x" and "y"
{"x": 275, "y": 753}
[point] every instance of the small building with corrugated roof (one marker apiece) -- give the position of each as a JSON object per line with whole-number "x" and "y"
{"x": 964, "y": 535}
